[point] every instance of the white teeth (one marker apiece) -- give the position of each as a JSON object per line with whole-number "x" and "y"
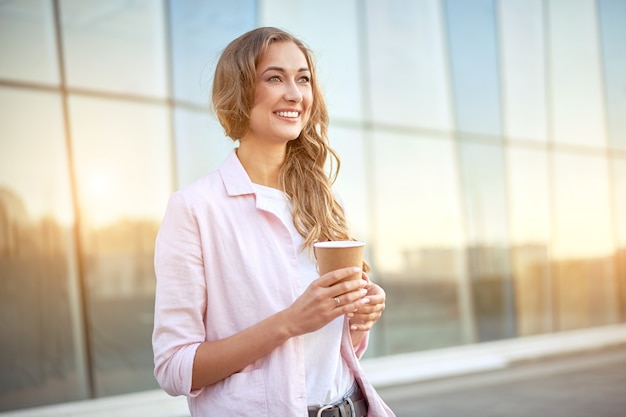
{"x": 287, "y": 113}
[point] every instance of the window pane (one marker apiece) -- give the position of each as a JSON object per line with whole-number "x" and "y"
{"x": 418, "y": 243}
{"x": 474, "y": 65}
{"x": 199, "y": 32}
{"x": 115, "y": 46}
{"x": 612, "y": 15}
{"x": 121, "y": 151}
{"x": 482, "y": 170}
{"x": 577, "y": 107}
{"x": 200, "y": 145}
{"x": 523, "y": 75}
{"x": 28, "y": 48}
{"x": 583, "y": 242}
{"x": 353, "y": 180}
{"x": 337, "y": 56}
{"x": 40, "y": 331}
{"x": 529, "y": 198}
{"x": 619, "y": 195}
{"x": 407, "y": 66}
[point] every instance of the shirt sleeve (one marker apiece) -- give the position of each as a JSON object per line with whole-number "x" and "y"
{"x": 180, "y": 298}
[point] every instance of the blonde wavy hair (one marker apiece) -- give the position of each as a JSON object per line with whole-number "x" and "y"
{"x": 317, "y": 214}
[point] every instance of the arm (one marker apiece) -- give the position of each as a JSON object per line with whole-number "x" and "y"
{"x": 216, "y": 360}
{"x": 184, "y": 360}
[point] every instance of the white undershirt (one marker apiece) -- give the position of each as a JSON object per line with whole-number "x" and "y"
{"x": 328, "y": 377}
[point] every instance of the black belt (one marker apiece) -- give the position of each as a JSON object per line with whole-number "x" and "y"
{"x": 353, "y": 401}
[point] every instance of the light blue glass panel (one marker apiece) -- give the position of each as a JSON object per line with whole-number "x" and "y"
{"x": 329, "y": 28}
{"x": 523, "y": 69}
{"x": 115, "y": 46}
{"x": 575, "y": 82}
{"x": 27, "y": 41}
{"x": 474, "y": 65}
{"x": 201, "y": 145}
{"x": 612, "y": 19}
{"x": 199, "y": 31}
{"x": 408, "y": 75}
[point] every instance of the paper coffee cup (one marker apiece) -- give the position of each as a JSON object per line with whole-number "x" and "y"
{"x": 339, "y": 254}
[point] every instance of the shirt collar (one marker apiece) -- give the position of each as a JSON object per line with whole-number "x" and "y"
{"x": 235, "y": 177}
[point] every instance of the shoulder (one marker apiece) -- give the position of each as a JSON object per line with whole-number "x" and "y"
{"x": 203, "y": 190}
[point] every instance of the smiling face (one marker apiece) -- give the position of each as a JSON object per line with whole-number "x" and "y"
{"x": 283, "y": 95}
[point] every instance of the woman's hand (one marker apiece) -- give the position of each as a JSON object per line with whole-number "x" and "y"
{"x": 325, "y": 299}
{"x": 368, "y": 313}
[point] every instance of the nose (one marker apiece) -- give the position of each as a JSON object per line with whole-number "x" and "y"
{"x": 293, "y": 93}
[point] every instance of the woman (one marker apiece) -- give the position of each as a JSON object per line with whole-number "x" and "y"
{"x": 244, "y": 326}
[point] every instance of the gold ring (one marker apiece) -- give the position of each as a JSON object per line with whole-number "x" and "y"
{"x": 337, "y": 302}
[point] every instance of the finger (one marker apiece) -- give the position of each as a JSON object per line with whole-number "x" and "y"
{"x": 333, "y": 277}
{"x": 347, "y": 300}
{"x": 361, "y": 326}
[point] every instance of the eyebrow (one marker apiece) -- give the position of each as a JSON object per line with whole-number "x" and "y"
{"x": 281, "y": 69}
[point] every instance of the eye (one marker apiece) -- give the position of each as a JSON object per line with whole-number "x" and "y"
{"x": 274, "y": 79}
{"x": 305, "y": 79}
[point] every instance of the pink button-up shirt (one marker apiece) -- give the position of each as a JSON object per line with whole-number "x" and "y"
{"x": 223, "y": 263}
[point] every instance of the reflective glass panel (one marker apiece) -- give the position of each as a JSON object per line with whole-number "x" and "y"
{"x": 619, "y": 195}
{"x": 482, "y": 170}
{"x": 115, "y": 45}
{"x": 336, "y": 51}
{"x": 529, "y": 198}
{"x": 408, "y": 76}
{"x": 474, "y": 65}
{"x": 28, "y": 47}
{"x": 583, "y": 242}
{"x": 40, "y": 331}
{"x": 418, "y": 242}
{"x": 612, "y": 15}
{"x": 575, "y": 83}
{"x": 123, "y": 165}
{"x": 352, "y": 182}
{"x": 199, "y": 31}
{"x": 523, "y": 69}
{"x": 201, "y": 145}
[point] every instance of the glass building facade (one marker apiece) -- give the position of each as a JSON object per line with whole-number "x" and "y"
{"x": 483, "y": 149}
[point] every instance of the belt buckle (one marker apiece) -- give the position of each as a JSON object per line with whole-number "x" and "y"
{"x": 329, "y": 406}
{"x": 322, "y": 409}
{"x": 351, "y": 404}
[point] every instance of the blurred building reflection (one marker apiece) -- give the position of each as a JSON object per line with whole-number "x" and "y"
{"x": 483, "y": 148}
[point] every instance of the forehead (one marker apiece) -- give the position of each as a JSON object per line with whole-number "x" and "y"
{"x": 285, "y": 55}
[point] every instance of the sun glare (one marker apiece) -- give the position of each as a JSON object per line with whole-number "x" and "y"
{"x": 98, "y": 187}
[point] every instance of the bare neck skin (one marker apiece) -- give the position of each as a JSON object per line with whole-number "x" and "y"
{"x": 262, "y": 163}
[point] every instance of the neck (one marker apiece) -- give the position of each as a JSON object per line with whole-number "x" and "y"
{"x": 262, "y": 164}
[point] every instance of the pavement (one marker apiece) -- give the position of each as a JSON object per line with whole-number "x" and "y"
{"x": 579, "y": 373}
{"x": 591, "y": 383}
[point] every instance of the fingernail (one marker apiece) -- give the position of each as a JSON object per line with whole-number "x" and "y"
{"x": 363, "y": 291}
{"x": 352, "y": 327}
{"x": 350, "y": 315}
{"x": 356, "y": 269}
{"x": 364, "y": 300}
